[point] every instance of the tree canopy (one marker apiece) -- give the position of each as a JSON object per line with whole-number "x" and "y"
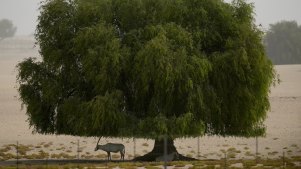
{"x": 7, "y": 29}
{"x": 124, "y": 68}
{"x": 283, "y": 43}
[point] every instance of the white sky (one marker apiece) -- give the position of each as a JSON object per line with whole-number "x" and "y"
{"x": 24, "y": 13}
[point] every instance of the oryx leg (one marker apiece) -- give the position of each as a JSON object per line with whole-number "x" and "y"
{"x": 121, "y": 155}
{"x": 109, "y": 155}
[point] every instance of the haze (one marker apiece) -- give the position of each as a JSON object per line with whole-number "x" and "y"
{"x": 24, "y": 13}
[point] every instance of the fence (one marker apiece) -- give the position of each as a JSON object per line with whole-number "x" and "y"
{"x": 43, "y": 153}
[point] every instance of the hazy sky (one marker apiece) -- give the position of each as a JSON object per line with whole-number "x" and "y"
{"x": 24, "y": 13}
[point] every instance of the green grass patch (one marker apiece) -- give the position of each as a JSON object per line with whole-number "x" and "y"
{"x": 233, "y": 150}
{"x": 48, "y": 145}
{"x": 145, "y": 145}
{"x": 248, "y": 153}
{"x": 231, "y": 155}
{"x": 5, "y": 149}
{"x": 273, "y": 153}
{"x": 23, "y": 149}
{"x": 152, "y": 167}
{"x": 189, "y": 155}
{"x": 62, "y": 156}
{"x": 86, "y": 156}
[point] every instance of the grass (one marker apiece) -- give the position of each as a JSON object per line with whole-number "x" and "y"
{"x": 272, "y": 153}
{"x": 248, "y": 153}
{"x": 48, "y": 145}
{"x": 189, "y": 155}
{"x": 38, "y": 146}
{"x": 246, "y": 148}
{"x": 152, "y": 167}
{"x": 86, "y": 156}
{"x": 145, "y": 145}
{"x": 5, "y": 148}
{"x": 233, "y": 150}
{"x": 40, "y": 155}
{"x": 115, "y": 156}
{"x": 231, "y": 155}
{"x": 68, "y": 151}
{"x": 249, "y": 163}
{"x": 23, "y": 149}
{"x": 7, "y": 156}
{"x": 262, "y": 163}
{"x": 223, "y": 151}
{"x": 101, "y": 156}
{"x": 62, "y": 156}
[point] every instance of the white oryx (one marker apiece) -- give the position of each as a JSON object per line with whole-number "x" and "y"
{"x": 111, "y": 147}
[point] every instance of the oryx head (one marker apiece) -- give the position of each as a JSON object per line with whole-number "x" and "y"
{"x": 97, "y": 146}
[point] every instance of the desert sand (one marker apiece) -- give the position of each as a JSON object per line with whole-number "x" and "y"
{"x": 283, "y": 121}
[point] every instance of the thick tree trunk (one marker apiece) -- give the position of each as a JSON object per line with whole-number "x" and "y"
{"x": 158, "y": 151}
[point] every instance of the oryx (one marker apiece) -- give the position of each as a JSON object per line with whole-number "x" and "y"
{"x": 111, "y": 147}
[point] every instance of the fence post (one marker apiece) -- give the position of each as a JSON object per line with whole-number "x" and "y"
{"x": 46, "y": 161}
{"x": 134, "y": 140}
{"x": 225, "y": 160}
{"x": 17, "y": 148}
{"x": 256, "y": 156}
{"x": 77, "y": 153}
{"x": 165, "y": 151}
{"x": 198, "y": 155}
{"x": 77, "y": 149}
{"x": 283, "y": 160}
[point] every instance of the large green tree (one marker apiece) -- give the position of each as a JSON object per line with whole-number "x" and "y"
{"x": 147, "y": 68}
{"x": 283, "y": 43}
{"x": 7, "y": 29}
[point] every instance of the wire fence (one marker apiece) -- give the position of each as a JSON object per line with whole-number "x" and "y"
{"x": 46, "y": 153}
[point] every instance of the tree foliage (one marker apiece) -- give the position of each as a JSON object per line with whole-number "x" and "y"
{"x": 7, "y": 29}
{"x": 146, "y": 68}
{"x": 283, "y": 43}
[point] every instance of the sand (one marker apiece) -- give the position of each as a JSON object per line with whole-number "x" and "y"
{"x": 283, "y": 122}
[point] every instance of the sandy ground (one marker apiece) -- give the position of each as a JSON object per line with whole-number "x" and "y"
{"x": 283, "y": 122}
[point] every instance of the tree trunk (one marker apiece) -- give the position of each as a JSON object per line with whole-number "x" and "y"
{"x": 158, "y": 151}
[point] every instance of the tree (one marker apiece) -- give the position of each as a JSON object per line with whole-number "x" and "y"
{"x": 7, "y": 29}
{"x": 132, "y": 68}
{"x": 283, "y": 43}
